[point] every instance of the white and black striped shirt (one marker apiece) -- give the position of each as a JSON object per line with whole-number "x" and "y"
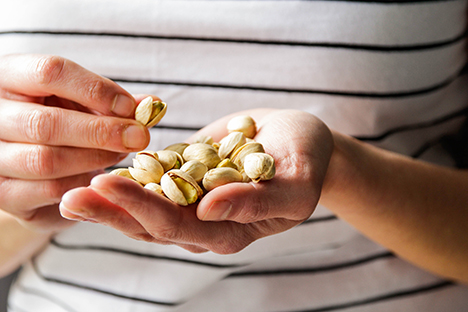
{"x": 387, "y": 72}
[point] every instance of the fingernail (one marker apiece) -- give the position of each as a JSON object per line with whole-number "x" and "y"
{"x": 134, "y": 137}
{"x": 218, "y": 211}
{"x": 123, "y": 105}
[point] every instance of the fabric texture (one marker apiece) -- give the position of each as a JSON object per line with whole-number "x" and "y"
{"x": 388, "y": 73}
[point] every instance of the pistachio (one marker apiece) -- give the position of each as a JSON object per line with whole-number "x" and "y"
{"x": 180, "y": 187}
{"x": 204, "y": 139}
{"x": 259, "y": 166}
{"x": 220, "y": 176}
{"x": 123, "y": 172}
{"x": 155, "y": 187}
{"x": 146, "y": 168}
{"x": 177, "y": 147}
{"x": 230, "y": 143}
{"x": 170, "y": 159}
{"x": 226, "y": 162}
{"x": 244, "y": 124}
{"x": 195, "y": 168}
{"x": 150, "y": 112}
{"x": 202, "y": 152}
{"x": 248, "y": 148}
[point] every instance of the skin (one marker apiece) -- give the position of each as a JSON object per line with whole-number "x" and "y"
{"x": 424, "y": 207}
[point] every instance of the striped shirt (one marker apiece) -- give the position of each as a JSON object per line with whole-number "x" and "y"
{"x": 390, "y": 73}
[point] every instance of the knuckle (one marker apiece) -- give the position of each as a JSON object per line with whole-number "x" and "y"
{"x": 40, "y": 161}
{"x": 99, "y": 132}
{"x": 53, "y": 190}
{"x": 255, "y": 211}
{"x": 40, "y": 125}
{"x": 48, "y": 69}
{"x": 95, "y": 89}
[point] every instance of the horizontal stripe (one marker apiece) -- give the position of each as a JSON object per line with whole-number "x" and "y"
{"x": 331, "y": 45}
{"x": 383, "y": 297}
{"x": 319, "y": 269}
{"x": 121, "y": 296}
{"x": 376, "y": 95}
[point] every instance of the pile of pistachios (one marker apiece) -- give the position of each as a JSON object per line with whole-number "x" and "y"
{"x": 185, "y": 172}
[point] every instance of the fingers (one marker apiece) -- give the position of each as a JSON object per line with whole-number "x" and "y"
{"x": 45, "y": 75}
{"x": 28, "y": 161}
{"x": 32, "y": 123}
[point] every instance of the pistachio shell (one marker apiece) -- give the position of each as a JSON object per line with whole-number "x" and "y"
{"x": 123, "y": 172}
{"x": 226, "y": 162}
{"x": 150, "y": 112}
{"x": 244, "y": 124}
{"x": 230, "y": 143}
{"x": 259, "y": 166}
{"x": 170, "y": 159}
{"x": 177, "y": 147}
{"x": 180, "y": 187}
{"x": 202, "y": 152}
{"x": 248, "y": 148}
{"x": 146, "y": 169}
{"x": 155, "y": 188}
{"x": 204, "y": 139}
{"x": 195, "y": 168}
{"x": 220, "y": 176}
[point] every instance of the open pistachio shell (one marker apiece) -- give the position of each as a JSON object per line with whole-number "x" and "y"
{"x": 123, "y": 172}
{"x": 170, "y": 160}
{"x": 204, "y": 139}
{"x": 180, "y": 187}
{"x": 244, "y": 124}
{"x": 150, "y": 112}
{"x": 220, "y": 176}
{"x": 195, "y": 168}
{"x": 248, "y": 148}
{"x": 226, "y": 162}
{"x": 202, "y": 152}
{"x": 146, "y": 169}
{"x": 259, "y": 166}
{"x": 230, "y": 143}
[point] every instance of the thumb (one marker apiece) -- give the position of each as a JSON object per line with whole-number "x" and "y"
{"x": 253, "y": 202}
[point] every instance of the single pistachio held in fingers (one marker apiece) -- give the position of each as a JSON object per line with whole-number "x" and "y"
{"x": 180, "y": 187}
{"x": 195, "y": 168}
{"x": 170, "y": 159}
{"x": 244, "y": 124}
{"x": 220, "y": 176}
{"x": 177, "y": 147}
{"x": 202, "y": 152}
{"x": 155, "y": 187}
{"x": 259, "y": 166}
{"x": 248, "y": 148}
{"x": 230, "y": 143}
{"x": 150, "y": 112}
{"x": 146, "y": 168}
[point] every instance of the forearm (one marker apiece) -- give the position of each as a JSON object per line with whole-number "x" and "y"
{"x": 17, "y": 244}
{"x": 416, "y": 209}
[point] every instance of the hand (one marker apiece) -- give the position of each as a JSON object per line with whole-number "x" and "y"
{"x": 60, "y": 126}
{"x": 232, "y": 216}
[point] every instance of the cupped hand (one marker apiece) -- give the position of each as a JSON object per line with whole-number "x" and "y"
{"x": 60, "y": 124}
{"x": 232, "y": 216}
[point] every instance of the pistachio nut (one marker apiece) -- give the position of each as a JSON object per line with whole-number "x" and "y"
{"x": 146, "y": 168}
{"x": 202, "y": 152}
{"x": 244, "y": 124}
{"x": 123, "y": 172}
{"x": 220, "y": 176}
{"x": 180, "y": 187}
{"x": 248, "y": 148}
{"x": 230, "y": 143}
{"x": 195, "y": 168}
{"x": 177, "y": 147}
{"x": 204, "y": 139}
{"x": 226, "y": 162}
{"x": 150, "y": 112}
{"x": 170, "y": 159}
{"x": 259, "y": 166}
{"x": 155, "y": 187}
